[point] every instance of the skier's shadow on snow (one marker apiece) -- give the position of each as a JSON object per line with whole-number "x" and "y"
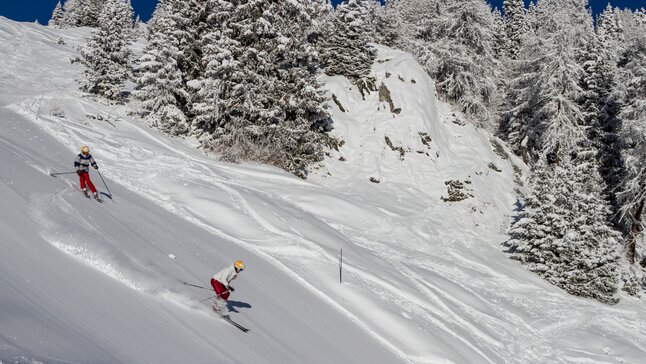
{"x": 232, "y": 305}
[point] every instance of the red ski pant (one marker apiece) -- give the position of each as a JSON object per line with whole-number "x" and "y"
{"x": 220, "y": 289}
{"x": 85, "y": 178}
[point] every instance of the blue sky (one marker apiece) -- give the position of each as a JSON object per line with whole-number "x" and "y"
{"x": 30, "y": 10}
{"x": 597, "y": 5}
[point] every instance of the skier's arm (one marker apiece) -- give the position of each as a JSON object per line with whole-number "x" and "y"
{"x": 93, "y": 163}
{"x": 77, "y": 163}
{"x": 229, "y": 277}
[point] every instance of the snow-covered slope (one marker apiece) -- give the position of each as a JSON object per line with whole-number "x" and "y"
{"x": 424, "y": 280}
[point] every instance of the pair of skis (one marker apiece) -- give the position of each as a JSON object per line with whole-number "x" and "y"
{"x": 216, "y": 309}
{"x": 227, "y": 318}
{"x": 96, "y": 197}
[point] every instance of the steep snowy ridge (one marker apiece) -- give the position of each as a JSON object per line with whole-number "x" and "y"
{"x": 425, "y": 280}
{"x": 430, "y": 143}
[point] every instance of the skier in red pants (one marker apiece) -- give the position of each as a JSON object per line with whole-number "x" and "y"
{"x": 221, "y": 283}
{"x": 82, "y": 164}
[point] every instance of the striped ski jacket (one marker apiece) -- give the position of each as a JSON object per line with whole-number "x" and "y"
{"x": 83, "y": 162}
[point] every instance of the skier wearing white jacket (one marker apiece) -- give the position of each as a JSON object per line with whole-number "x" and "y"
{"x": 221, "y": 281}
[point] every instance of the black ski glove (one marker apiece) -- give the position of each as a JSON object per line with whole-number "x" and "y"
{"x": 96, "y": 167}
{"x": 79, "y": 172}
{"x": 231, "y": 289}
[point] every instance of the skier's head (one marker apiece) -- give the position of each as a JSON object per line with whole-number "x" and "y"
{"x": 85, "y": 150}
{"x": 238, "y": 266}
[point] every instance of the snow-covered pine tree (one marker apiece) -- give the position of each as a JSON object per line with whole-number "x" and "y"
{"x": 106, "y": 56}
{"x": 546, "y": 78}
{"x": 610, "y": 28}
{"x": 541, "y": 223}
{"x": 640, "y": 17}
{"x": 223, "y": 70}
{"x": 385, "y": 24}
{"x": 162, "y": 6}
{"x": 127, "y": 17}
{"x": 463, "y": 60}
{"x": 500, "y": 40}
{"x": 477, "y": 90}
{"x": 562, "y": 234}
{"x": 412, "y": 18}
{"x": 72, "y": 11}
{"x": 515, "y": 25}
{"x": 259, "y": 99}
{"x": 92, "y": 11}
{"x": 159, "y": 81}
{"x": 538, "y": 238}
{"x": 520, "y": 101}
{"x": 532, "y": 17}
{"x": 502, "y": 73}
{"x": 567, "y": 198}
{"x": 320, "y": 12}
{"x": 344, "y": 47}
{"x": 303, "y": 134}
{"x": 519, "y": 75}
{"x": 556, "y": 124}
{"x": 190, "y": 17}
{"x": 593, "y": 267}
{"x": 592, "y": 81}
{"x": 81, "y": 13}
{"x": 58, "y": 17}
{"x": 601, "y": 106}
{"x": 454, "y": 41}
{"x": 633, "y": 190}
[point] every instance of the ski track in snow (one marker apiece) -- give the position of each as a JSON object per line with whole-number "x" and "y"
{"x": 300, "y": 250}
{"x": 425, "y": 279}
{"x": 310, "y": 250}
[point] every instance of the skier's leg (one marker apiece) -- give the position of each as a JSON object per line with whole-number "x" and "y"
{"x": 216, "y": 285}
{"x": 219, "y": 289}
{"x": 89, "y": 183}
{"x": 220, "y": 303}
{"x": 82, "y": 179}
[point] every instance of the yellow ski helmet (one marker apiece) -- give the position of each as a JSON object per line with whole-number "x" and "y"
{"x": 239, "y": 265}
{"x": 85, "y": 149}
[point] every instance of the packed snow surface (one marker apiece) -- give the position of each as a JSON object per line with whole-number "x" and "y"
{"x": 424, "y": 280}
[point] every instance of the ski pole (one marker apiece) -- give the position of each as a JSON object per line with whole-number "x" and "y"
{"x": 219, "y": 294}
{"x": 208, "y": 298}
{"x": 59, "y": 173}
{"x": 208, "y": 289}
{"x": 106, "y": 186}
{"x": 196, "y": 286}
{"x": 202, "y": 287}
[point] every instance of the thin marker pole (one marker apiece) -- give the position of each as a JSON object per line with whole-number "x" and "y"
{"x": 341, "y": 267}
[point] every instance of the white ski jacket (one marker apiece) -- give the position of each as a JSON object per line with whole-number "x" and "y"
{"x": 225, "y": 276}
